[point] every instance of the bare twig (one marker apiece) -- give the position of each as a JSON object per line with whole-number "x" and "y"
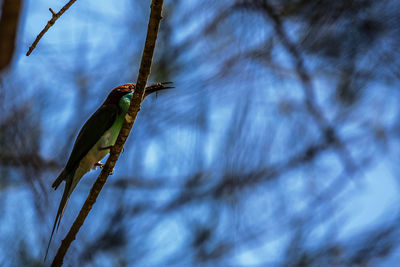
{"x": 144, "y": 72}
{"x": 50, "y": 23}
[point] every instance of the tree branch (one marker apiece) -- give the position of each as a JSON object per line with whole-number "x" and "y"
{"x": 50, "y": 23}
{"x": 144, "y": 72}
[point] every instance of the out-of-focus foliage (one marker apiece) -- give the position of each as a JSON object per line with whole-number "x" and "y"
{"x": 278, "y": 146}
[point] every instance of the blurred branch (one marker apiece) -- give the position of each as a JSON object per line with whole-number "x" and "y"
{"x": 8, "y": 30}
{"x": 328, "y": 131}
{"x": 137, "y": 98}
{"x": 292, "y": 49}
{"x": 34, "y": 160}
{"x": 140, "y": 183}
{"x": 233, "y": 183}
{"x": 50, "y": 23}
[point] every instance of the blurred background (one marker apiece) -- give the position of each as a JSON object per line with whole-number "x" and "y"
{"x": 279, "y": 145}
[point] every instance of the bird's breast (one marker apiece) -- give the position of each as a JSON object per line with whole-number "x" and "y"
{"x": 98, "y": 151}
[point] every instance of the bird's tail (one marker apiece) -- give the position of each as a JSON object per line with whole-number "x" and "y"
{"x": 63, "y": 176}
{"x": 63, "y": 203}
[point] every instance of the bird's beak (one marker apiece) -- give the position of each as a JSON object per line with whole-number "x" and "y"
{"x": 157, "y": 87}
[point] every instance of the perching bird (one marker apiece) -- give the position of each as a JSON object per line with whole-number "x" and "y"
{"x": 95, "y": 140}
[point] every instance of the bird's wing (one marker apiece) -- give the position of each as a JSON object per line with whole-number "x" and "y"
{"x": 91, "y": 132}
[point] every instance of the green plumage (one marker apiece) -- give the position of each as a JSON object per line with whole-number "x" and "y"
{"x": 94, "y": 140}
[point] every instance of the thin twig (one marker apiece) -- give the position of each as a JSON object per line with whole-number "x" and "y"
{"x": 144, "y": 72}
{"x": 50, "y": 23}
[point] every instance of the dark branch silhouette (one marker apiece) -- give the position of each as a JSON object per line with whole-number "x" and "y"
{"x": 137, "y": 98}
{"x": 54, "y": 18}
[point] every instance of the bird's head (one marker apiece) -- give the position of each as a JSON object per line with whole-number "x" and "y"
{"x": 117, "y": 93}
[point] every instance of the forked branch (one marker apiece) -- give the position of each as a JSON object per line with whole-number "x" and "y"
{"x": 50, "y": 23}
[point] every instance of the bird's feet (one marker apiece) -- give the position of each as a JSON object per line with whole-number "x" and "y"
{"x": 101, "y": 165}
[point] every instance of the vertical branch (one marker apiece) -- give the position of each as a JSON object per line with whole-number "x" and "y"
{"x": 144, "y": 72}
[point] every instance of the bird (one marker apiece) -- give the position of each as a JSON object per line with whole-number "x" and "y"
{"x": 95, "y": 139}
